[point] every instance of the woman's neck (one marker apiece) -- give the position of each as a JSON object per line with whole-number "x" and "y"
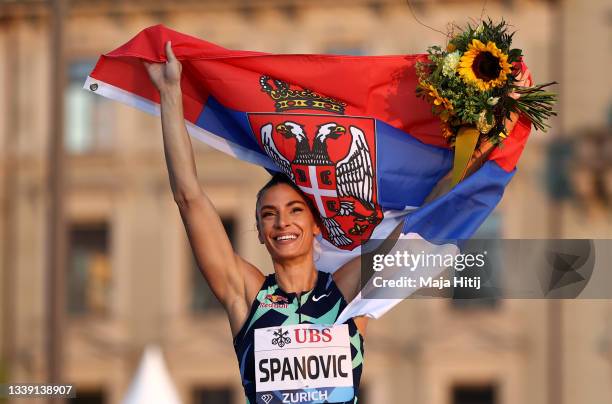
{"x": 294, "y": 278}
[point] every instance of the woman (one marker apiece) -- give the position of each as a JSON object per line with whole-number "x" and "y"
{"x": 257, "y": 306}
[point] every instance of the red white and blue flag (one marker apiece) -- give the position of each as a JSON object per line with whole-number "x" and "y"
{"x": 349, "y": 130}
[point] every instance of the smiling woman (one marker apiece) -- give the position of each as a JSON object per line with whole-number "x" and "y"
{"x": 297, "y": 306}
{"x": 281, "y": 200}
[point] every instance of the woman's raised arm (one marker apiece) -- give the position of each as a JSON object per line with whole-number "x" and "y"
{"x": 233, "y": 281}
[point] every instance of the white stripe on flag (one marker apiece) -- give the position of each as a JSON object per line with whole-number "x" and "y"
{"x": 150, "y": 107}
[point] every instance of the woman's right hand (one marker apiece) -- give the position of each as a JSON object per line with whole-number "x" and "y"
{"x": 165, "y": 76}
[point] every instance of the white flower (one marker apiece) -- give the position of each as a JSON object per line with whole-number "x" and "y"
{"x": 482, "y": 124}
{"x": 492, "y": 100}
{"x": 450, "y": 63}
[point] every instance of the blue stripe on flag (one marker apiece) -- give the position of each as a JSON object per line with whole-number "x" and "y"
{"x": 407, "y": 169}
{"x": 227, "y": 123}
{"x": 458, "y": 214}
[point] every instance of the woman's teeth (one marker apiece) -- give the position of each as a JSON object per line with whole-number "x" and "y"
{"x": 286, "y": 237}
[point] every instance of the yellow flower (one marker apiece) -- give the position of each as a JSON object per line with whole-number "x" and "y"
{"x": 485, "y": 66}
{"x": 435, "y": 97}
{"x": 447, "y": 132}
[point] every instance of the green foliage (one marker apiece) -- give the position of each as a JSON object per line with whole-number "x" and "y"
{"x": 536, "y": 104}
{"x": 486, "y": 32}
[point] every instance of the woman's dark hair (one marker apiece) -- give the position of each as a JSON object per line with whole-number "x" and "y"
{"x": 280, "y": 178}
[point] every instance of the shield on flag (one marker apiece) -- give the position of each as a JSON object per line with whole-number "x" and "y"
{"x": 332, "y": 159}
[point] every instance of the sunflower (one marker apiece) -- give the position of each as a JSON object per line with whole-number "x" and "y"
{"x": 486, "y": 66}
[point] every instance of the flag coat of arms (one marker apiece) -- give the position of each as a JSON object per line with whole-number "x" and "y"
{"x": 348, "y": 130}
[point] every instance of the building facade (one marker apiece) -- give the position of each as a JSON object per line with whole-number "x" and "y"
{"x": 131, "y": 279}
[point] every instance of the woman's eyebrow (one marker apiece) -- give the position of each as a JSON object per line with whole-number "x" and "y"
{"x": 287, "y": 204}
{"x": 294, "y": 202}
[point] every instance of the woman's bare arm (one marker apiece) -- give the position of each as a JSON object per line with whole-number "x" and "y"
{"x": 233, "y": 281}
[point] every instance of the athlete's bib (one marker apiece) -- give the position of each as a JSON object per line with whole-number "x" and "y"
{"x": 304, "y": 363}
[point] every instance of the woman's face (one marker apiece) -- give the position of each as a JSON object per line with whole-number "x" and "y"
{"x": 286, "y": 224}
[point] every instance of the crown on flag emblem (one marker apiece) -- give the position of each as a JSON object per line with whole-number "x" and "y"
{"x": 286, "y": 99}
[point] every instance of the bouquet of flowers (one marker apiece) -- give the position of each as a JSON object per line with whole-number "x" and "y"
{"x": 474, "y": 87}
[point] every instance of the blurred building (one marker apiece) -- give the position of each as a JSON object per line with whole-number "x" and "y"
{"x": 131, "y": 279}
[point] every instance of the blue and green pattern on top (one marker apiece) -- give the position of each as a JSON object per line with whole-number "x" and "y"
{"x": 274, "y": 307}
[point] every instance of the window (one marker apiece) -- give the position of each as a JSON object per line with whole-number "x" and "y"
{"x": 89, "y": 270}
{"x": 222, "y": 395}
{"x": 89, "y": 117}
{"x": 203, "y": 300}
{"x": 88, "y": 397}
{"x": 474, "y": 395}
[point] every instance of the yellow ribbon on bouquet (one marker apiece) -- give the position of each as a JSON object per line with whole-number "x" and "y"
{"x": 465, "y": 145}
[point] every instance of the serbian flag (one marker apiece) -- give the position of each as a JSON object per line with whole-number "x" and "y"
{"x": 348, "y": 130}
